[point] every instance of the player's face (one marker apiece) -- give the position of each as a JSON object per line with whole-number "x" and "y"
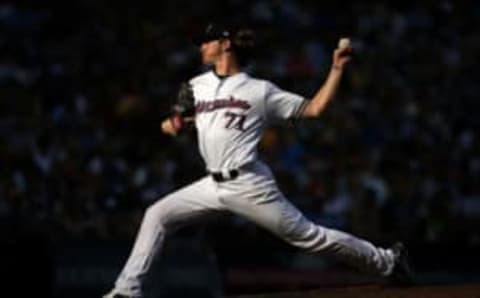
{"x": 211, "y": 51}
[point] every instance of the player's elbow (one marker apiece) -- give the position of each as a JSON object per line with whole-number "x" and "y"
{"x": 314, "y": 109}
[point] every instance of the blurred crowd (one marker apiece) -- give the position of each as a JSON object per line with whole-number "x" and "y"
{"x": 84, "y": 86}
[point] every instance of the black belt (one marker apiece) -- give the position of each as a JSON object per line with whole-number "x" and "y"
{"x": 224, "y": 176}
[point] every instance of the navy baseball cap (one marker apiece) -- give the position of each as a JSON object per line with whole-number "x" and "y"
{"x": 213, "y": 31}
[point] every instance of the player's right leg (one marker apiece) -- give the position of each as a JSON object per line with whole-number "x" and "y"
{"x": 167, "y": 214}
{"x": 255, "y": 196}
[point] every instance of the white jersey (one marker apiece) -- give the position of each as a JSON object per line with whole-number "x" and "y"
{"x": 231, "y": 114}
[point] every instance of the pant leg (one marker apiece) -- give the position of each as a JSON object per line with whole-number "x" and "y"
{"x": 256, "y": 197}
{"x": 191, "y": 202}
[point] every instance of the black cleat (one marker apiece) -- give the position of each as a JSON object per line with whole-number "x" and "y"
{"x": 403, "y": 274}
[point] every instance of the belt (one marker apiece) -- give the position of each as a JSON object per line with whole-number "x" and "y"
{"x": 224, "y": 176}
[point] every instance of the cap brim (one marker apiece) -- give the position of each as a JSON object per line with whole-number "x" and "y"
{"x": 212, "y": 32}
{"x": 199, "y": 40}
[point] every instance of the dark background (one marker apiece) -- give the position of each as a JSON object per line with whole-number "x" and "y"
{"x": 85, "y": 84}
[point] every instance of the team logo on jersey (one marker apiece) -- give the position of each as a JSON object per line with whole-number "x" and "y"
{"x": 231, "y": 102}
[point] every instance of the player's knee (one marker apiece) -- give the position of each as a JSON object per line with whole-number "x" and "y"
{"x": 156, "y": 213}
{"x": 311, "y": 239}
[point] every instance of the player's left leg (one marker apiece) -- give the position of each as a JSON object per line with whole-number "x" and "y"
{"x": 256, "y": 197}
{"x": 192, "y": 202}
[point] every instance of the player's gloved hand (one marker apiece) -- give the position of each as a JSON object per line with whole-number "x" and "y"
{"x": 185, "y": 106}
{"x": 183, "y": 111}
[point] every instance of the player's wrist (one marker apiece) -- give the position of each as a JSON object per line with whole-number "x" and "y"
{"x": 337, "y": 67}
{"x": 177, "y": 122}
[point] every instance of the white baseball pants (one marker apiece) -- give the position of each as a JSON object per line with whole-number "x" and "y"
{"x": 255, "y": 196}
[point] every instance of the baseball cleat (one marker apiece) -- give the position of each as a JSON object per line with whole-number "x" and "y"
{"x": 113, "y": 294}
{"x": 402, "y": 274}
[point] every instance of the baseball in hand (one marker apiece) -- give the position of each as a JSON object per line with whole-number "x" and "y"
{"x": 344, "y": 43}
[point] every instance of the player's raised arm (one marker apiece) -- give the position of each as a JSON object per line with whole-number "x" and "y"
{"x": 341, "y": 56}
{"x": 182, "y": 112}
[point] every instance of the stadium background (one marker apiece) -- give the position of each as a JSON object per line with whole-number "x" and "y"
{"x": 84, "y": 85}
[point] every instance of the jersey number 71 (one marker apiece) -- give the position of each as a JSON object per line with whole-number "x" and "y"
{"x": 235, "y": 121}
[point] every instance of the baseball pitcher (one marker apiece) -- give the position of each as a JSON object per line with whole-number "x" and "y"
{"x": 230, "y": 110}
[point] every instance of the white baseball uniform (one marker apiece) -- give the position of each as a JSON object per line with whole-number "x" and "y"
{"x": 231, "y": 114}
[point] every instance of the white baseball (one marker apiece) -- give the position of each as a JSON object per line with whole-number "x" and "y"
{"x": 344, "y": 43}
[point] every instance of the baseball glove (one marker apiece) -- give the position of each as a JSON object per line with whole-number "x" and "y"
{"x": 185, "y": 106}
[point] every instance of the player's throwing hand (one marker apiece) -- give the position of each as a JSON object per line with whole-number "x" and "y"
{"x": 343, "y": 53}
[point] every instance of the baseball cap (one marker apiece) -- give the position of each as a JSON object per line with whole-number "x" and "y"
{"x": 213, "y": 31}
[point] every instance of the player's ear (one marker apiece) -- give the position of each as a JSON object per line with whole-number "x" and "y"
{"x": 226, "y": 45}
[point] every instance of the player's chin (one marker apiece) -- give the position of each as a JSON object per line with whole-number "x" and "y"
{"x": 207, "y": 61}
